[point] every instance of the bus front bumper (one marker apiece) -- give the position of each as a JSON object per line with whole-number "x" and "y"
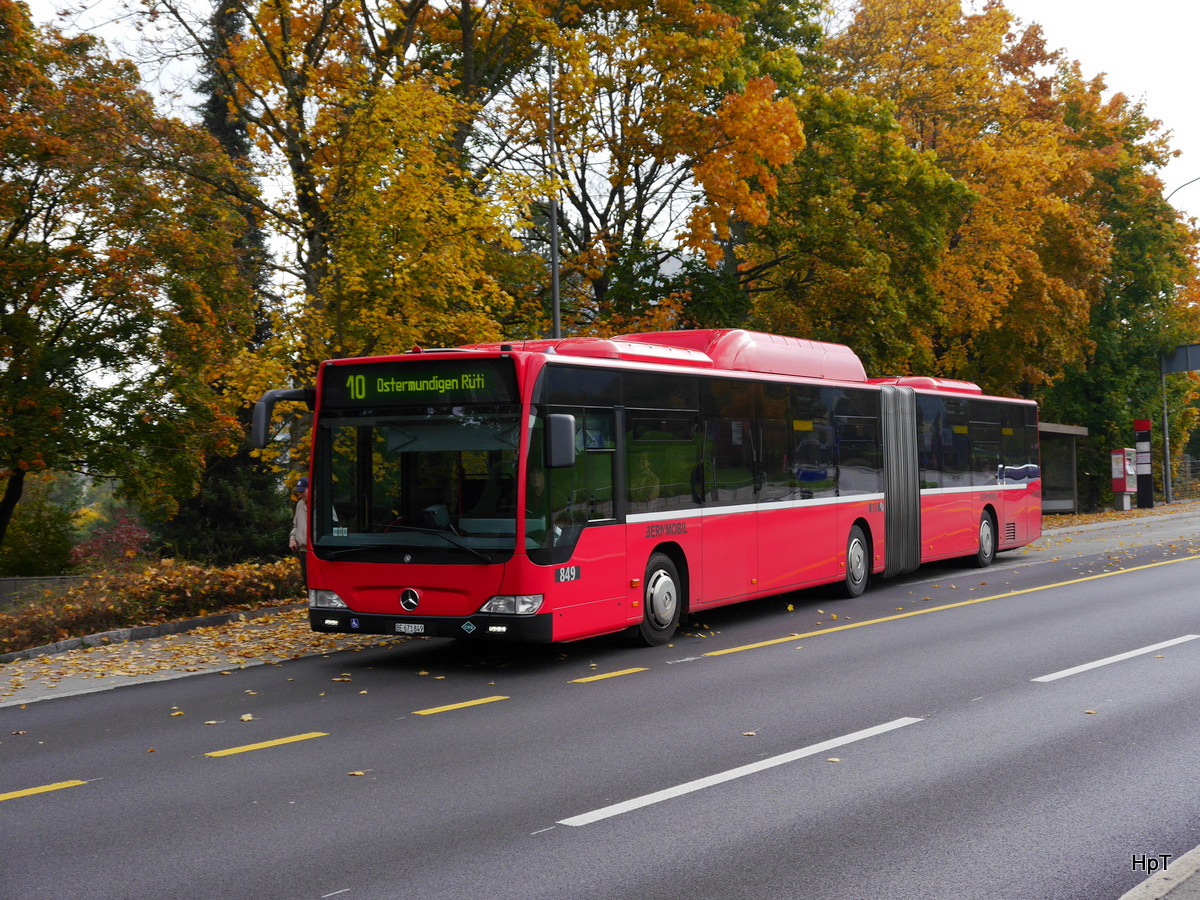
{"x": 483, "y": 626}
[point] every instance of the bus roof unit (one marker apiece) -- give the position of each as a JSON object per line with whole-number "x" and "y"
{"x": 732, "y": 349}
{"x": 925, "y": 383}
{"x": 771, "y": 354}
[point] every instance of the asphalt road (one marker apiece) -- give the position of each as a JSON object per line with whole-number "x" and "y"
{"x": 948, "y": 735}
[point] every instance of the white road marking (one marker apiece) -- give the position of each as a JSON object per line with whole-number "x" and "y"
{"x": 699, "y": 784}
{"x": 1054, "y": 676}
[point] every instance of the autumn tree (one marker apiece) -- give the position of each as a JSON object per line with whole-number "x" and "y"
{"x": 1067, "y": 274}
{"x": 359, "y": 114}
{"x": 1022, "y": 265}
{"x": 669, "y": 131}
{"x": 1146, "y": 306}
{"x": 856, "y": 236}
{"x": 120, "y": 291}
{"x": 241, "y": 511}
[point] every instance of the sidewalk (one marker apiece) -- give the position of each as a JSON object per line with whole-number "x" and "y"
{"x": 171, "y": 650}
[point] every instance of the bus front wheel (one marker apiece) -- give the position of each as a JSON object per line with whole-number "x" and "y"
{"x": 661, "y": 601}
{"x": 858, "y": 556}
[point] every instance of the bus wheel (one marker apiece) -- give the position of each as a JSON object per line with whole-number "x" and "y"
{"x": 986, "y": 554}
{"x": 857, "y": 568}
{"x": 660, "y": 602}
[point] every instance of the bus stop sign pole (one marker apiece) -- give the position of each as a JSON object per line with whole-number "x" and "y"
{"x": 1145, "y": 474}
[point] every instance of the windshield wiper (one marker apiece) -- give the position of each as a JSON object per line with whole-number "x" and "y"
{"x": 361, "y": 548}
{"x": 442, "y": 534}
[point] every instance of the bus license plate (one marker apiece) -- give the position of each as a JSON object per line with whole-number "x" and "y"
{"x": 409, "y": 628}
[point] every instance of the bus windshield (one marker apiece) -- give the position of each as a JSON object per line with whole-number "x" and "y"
{"x": 432, "y": 484}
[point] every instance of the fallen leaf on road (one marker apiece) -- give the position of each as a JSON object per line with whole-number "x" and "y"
{"x": 247, "y": 718}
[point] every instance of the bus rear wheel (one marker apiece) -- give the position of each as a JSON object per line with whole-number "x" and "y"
{"x": 661, "y": 601}
{"x": 986, "y": 554}
{"x": 858, "y": 557}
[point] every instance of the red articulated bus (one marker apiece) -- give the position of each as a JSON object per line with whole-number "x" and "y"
{"x": 554, "y": 490}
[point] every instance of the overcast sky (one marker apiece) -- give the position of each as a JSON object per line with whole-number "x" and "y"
{"x": 1145, "y": 48}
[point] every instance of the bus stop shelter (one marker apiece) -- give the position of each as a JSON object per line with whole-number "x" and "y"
{"x": 1060, "y": 490}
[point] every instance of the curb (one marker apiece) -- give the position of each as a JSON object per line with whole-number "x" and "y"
{"x": 1175, "y": 882}
{"x": 143, "y": 632}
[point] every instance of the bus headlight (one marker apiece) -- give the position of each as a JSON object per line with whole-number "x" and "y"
{"x": 514, "y": 605}
{"x": 326, "y": 600}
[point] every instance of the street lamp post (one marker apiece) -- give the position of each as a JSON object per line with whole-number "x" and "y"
{"x": 1181, "y": 187}
{"x": 1167, "y": 491}
{"x": 554, "y": 286}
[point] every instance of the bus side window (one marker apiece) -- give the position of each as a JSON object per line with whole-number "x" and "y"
{"x": 599, "y": 453}
{"x": 729, "y": 412}
{"x": 931, "y": 412}
{"x": 956, "y": 456}
{"x": 581, "y": 493}
{"x": 663, "y": 446}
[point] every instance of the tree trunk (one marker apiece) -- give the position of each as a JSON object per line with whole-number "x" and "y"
{"x": 13, "y": 489}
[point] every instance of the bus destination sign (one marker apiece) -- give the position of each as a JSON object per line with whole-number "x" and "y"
{"x": 420, "y": 382}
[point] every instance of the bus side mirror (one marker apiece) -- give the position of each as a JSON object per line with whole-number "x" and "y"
{"x": 560, "y": 441}
{"x": 261, "y": 422}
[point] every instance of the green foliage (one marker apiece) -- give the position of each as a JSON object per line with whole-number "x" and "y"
{"x": 240, "y": 514}
{"x": 42, "y": 531}
{"x": 856, "y": 236}
{"x": 163, "y": 592}
{"x": 714, "y": 298}
{"x": 781, "y": 40}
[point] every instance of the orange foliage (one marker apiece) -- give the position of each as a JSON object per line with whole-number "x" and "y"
{"x": 161, "y": 592}
{"x": 1023, "y": 267}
